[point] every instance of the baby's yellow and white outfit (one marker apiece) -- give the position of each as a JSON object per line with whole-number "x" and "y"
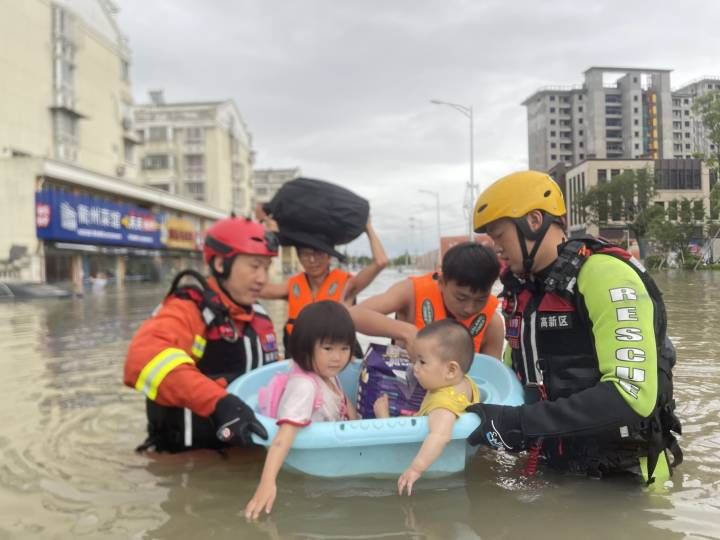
{"x": 450, "y": 399}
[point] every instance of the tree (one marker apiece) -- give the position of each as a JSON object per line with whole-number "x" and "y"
{"x": 626, "y": 198}
{"x": 708, "y": 107}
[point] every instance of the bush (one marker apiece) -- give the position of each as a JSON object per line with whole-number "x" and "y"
{"x": 652, "y": 261}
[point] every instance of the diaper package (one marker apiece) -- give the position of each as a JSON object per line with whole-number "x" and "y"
{"x": 387, "y": 370}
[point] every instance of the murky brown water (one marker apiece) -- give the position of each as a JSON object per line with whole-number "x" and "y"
{"x": 68, "y": 429}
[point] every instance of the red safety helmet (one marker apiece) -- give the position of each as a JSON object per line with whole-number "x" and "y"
{"x": 238, "y": 235}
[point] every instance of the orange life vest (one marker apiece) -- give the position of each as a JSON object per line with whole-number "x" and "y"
{"x": 300, "y": 294}
{"x": 429, "y": 307}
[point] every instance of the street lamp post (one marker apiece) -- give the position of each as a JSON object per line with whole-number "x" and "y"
{"x": 437, "y": 215}
{"x": 468, "y": 112}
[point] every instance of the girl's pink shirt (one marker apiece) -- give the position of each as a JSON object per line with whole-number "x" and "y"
{"x": 297, "y": 404}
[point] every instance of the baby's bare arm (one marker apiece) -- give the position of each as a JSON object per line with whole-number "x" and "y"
{"x": 440, "y": 422}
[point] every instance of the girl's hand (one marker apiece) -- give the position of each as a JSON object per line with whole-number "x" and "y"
{"x": 407, "y": 479}
{"x": 381, "y": 407}
{"x": 262, "y": 500}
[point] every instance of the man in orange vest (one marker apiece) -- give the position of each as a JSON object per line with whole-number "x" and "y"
{"x": 461, "y": 292}
{"x": 317, "y": 281}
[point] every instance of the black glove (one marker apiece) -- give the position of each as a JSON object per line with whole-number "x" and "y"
{"x": 236, "y": 422}
{"x": 499, "y": 427}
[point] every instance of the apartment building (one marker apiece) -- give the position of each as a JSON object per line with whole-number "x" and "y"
{"x": 66, "y": 85}
{"x": 71, "y": 202}
{"x": 199, "y": 150}
{"x": 617, "y": 113}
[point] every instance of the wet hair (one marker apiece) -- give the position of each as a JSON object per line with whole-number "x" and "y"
{"x": 324, "y": 321}
{"x": 470, "y": 264}
{"x": 454, "y": 341}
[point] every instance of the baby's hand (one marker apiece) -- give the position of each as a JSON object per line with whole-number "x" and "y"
{"x": 407, "y": 479}
{"x": 381, "y": 407}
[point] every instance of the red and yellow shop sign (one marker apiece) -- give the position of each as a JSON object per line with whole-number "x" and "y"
{"x": 181, "y": 234}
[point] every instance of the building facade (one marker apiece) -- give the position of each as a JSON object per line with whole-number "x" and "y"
{"x": 676, "y": 180}
{"x": 617, "y": 113}
{"x": 202, "y": 151}
{"x": 72, "y": 202}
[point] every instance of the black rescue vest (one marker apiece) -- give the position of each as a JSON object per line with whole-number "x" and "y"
{"x": 549, "y": 332}
{"x": 228, "y": 354}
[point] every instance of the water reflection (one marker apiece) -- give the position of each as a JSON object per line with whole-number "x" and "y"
{"x": 68, "y": 429}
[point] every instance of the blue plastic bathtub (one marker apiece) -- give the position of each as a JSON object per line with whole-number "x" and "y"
{"x": 378, "y": 447}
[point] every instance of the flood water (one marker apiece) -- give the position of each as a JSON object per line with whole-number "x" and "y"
{"x": 68, "y": 470}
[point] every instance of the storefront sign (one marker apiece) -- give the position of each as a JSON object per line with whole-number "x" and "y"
{"x": 180, "y": 234}
{"x": 82, "y": 218}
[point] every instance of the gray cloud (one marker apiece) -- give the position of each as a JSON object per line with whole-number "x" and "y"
{"x": 342, "y": 89}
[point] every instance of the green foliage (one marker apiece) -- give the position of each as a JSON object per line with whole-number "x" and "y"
{"x": 708, "y": 107}
{"x": 625, "y": 198}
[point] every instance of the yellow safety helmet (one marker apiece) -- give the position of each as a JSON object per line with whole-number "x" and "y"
{"x": 515, "y": 195}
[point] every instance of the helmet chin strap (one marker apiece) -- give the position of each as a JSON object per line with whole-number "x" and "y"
{"x": 526, "y": 233}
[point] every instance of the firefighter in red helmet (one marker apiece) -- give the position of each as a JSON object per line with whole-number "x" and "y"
{"x": 201, "y": 338}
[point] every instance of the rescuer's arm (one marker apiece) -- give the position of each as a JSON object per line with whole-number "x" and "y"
{"x": 357, "y": 283}
{"x": 494, "y": 337}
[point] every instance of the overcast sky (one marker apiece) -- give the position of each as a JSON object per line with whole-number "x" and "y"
{"x": 342, "y": 89}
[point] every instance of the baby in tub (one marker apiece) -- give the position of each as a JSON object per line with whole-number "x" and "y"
{"x": 443, "y": 355}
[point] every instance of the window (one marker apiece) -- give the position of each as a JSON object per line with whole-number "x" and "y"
{"x": 196, "y": 190}
{"x": 687, "y": 112}
{"x": 565, "y": 111}
{"x": 672, "y": 210}
{"x": 614, "y": 173}
{"x": 698, "y": 210}
{"x": 613, "y": 110}
{"x": 686, "y": 101}
{"x": 194, "y": 135}
{"x": 552, "y": 109}
{"x": 602, "y": 176}
{"x": 552, "y": 98}
{"x": 125, "y": 70}
{"x": 677, "y": 147}
{"x": 553, "y": 145}
{"x": 671, "y": 174}
{"x": 634, "y": 79}
{"x": 677, "y": 125}
{"x": 580, "y": 132}
{"x": 637, "y": 133}
{"x": 552, "y": 133}
{"x": 580, "y": 109}
{"x": 687, "y": 134}
{"x": 553, "y": 157}
{"x": 156, "y": 162}
{"x": 637, "y": 146}
{"x": 195, "y": 163}
{"x": 581, "y": 144}
{"x": 580, "y": 96}
{"x": 635, "y": 110}
{"x": 676, "y": 102}
{"x": 552, "y": 121}
{"x": 157, "y": 134}
{"x": 582, "y": 156}
{"x": 580, "y": 121}
{"x": 687, "y": 123}
{"x": 636, "y": 122}
{"x": 635, "y": 98}
{"x": 687, "y": 147}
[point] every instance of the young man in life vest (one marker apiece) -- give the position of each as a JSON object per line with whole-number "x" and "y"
{"x": 586, "y": 329}
{"x": 317, "y": 281}
{"x": 202, "y": 338}
{"x": 461, "y": 291}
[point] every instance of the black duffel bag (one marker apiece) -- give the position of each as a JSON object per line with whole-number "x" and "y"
{"x": 307, "y": 209}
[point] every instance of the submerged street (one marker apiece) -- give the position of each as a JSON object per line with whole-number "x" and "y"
{"x": 69, "y": 428}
